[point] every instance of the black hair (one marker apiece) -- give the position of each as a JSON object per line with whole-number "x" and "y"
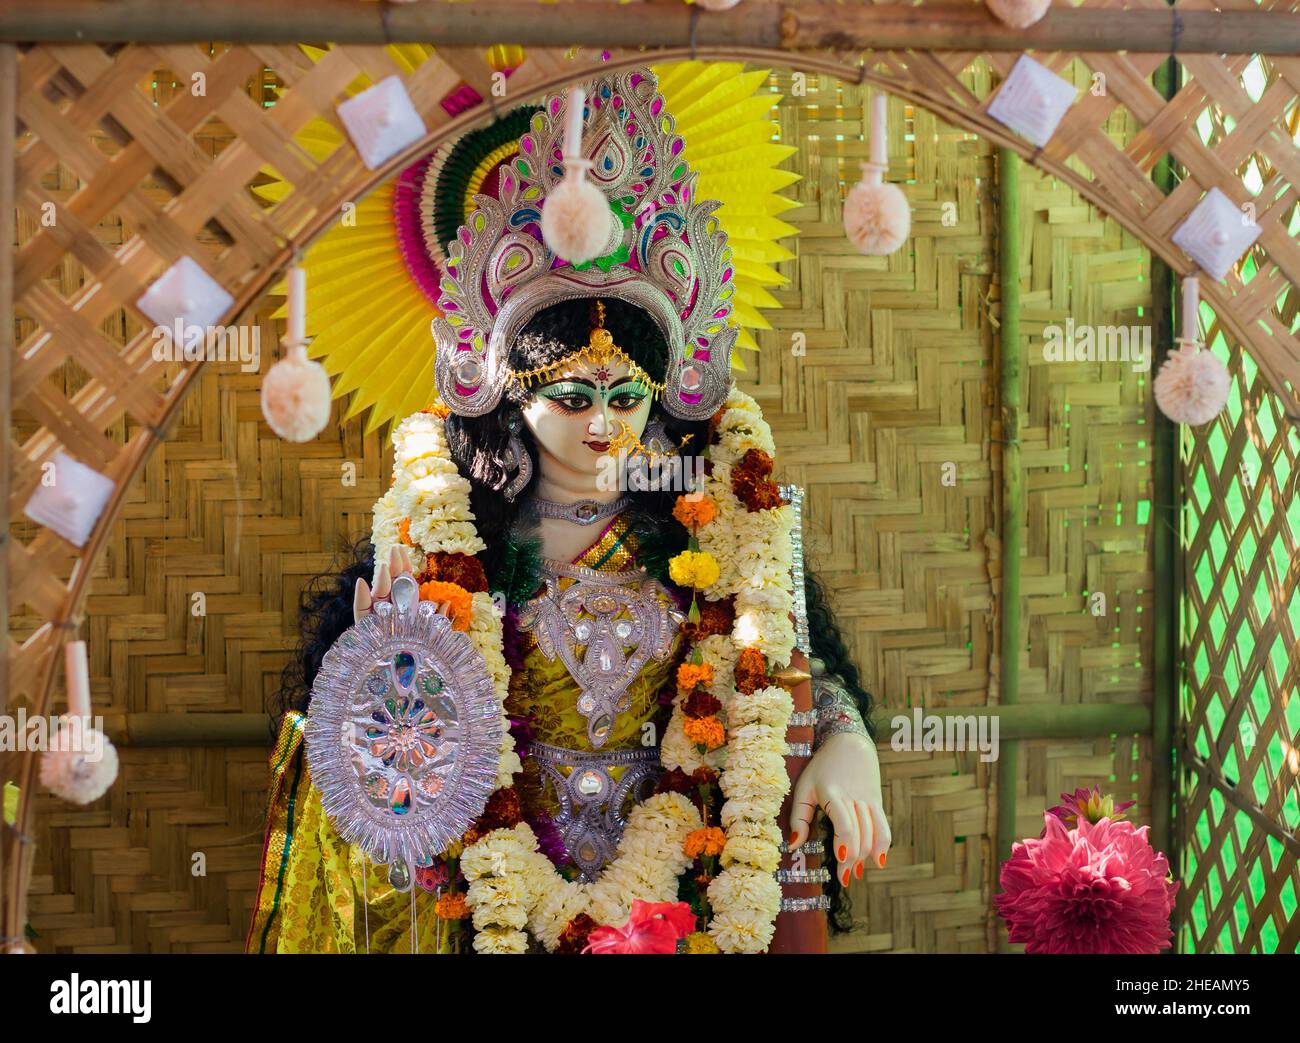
{"x": 324, "y": 613}
{"x": 479, "y": 444}
{"x": 828, "y": 645}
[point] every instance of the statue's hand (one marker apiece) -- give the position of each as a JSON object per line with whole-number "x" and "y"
{"x": 843, "y": 778}
{"x": 399, "y": 563}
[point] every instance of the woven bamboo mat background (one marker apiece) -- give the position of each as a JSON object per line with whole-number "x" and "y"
{"x": 898, "y": 381}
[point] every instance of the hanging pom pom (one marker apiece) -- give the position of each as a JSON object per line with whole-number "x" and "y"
{"x": 296, "y": 397}
{"x": 81, "y": 764}
{"x": 716, "y": 5}
{"x": 877, "y": 218}
{"x": 1019, "y": 14}
{"x": 296, "y": 391}
{"x": 576, "y": 221}
{"x": 1193, "y": 384}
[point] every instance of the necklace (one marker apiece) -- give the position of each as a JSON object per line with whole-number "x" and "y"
{"x": 580, "y": 512}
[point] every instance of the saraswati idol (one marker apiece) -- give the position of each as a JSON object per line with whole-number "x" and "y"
{"x": 579, "y": 694}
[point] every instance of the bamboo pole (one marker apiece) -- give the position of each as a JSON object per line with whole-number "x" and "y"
{"x": 8, "y": 116}
{"x": 789, "y": 26}
{"x": 1167, "y": 496}
{"x": 1025, "y": 721}
{"x": 1009, "y": 366}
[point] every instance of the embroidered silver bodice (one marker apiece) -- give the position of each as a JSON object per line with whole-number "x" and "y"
{"x": 591, "y": 800}
{"x": 605, "y": 626}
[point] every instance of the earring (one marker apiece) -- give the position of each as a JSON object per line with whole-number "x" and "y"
{"x": 655, "y": 440}
{"x": 520, "y": 462}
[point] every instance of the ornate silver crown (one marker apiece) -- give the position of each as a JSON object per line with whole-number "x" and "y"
{"x": 671, "y": 258}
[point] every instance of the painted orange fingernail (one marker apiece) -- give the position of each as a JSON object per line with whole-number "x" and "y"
{"x": 844, "y": 852}
{"x": 846, "y": 878}
{"x": 882, "y": 861}
{"x": 857, "y": 870}
{"x": 793, "y": 837}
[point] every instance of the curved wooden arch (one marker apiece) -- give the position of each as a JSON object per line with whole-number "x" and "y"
{"x": 103, "y": 88}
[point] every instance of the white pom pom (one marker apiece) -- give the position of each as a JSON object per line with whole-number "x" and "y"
{"x": 1192, "y": 386}
{"x": 877, "y": 218}
{"x": 576, "y": 222}
{"x": 80, "y": 764}
{"x": 716, "y": 5}
{"x": 1019, "y": 14}
{"x": 296, "y": 397}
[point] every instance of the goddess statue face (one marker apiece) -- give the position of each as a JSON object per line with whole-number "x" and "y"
{"x": 576, "y": 418}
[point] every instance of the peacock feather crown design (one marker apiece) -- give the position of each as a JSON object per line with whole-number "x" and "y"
{"x": 666, "y": 254}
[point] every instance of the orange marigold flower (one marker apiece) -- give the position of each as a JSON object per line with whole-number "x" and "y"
{"x": 751, "y": 671}
{"x": 438, "y": 410}
{"x": 452, "y": 906}
{"x": 707, "y": 841}
{"x": 691, "y": 674}
{"x": 705, "y": 731}
{"x": 404, "y": 531}
{"x": 694, "y": 512}
{"x": 462, "y": 604}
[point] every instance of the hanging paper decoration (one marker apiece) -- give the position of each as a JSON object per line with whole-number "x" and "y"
{"x": 381, "y": 121}
{"x": 70, "y": 498}
{"x": 1216, "y": 233}
{"x": 877, "y": 217}
{"x": 1032, "y": 101}
{"x": 403, "y": 733}
{"x": 1019, "y": 14}
{"x": 296, "y": 391}
{"x": 1193, "y": 384}
{"x": 577, "y": 223}
{"x": 186, "y": 295}
{"x": 81, "y": 764}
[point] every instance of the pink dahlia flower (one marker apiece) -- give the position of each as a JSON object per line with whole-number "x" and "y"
{"x": 1097, "y": 888}
{"x": 1088, "y": 804}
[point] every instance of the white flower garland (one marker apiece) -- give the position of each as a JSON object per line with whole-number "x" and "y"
{"x": 512, "y": 886}
{"x": 422, "y": 462}
{"x": 754, "y": 557}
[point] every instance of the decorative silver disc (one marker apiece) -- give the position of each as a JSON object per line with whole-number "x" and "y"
{"x": 403, "y": 735}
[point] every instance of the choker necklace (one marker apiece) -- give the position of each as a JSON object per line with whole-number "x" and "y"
{"x": 581, "y": 512}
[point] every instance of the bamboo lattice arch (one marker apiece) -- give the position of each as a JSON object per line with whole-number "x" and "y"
{"x": 65, "y": 94}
